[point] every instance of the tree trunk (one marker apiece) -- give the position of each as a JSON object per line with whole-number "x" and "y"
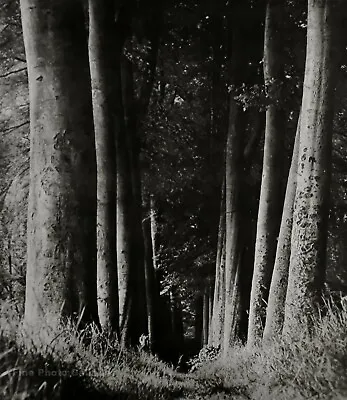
{"x": 232, "y": 220}
{"x": 217, "y": 321}
{"x": 152, "y": 294}
{"x": 308, "y": 244}
{"x": 269, "y": 213}
{"x": 210, "y": 309}
{"x": 218, "y": 314}
{"x": 139, "y": 320}
{"x": 198, "y": 321}
{"x": 125, "y": 267}
{"x": 206, "y": 315}
{"x": 154, "y": 230}
{"x": 61, "y": 248}
{"x": 243, "y": 71}
{"x": 236, "y": 306}
{"x": 279, "y": 282}
{"x": 103, "y": 67}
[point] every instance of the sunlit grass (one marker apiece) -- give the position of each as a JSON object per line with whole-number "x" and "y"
{"x": 79, "y": 362}
{"x": 90, "y": 364}
{"x": 307, "y": 367}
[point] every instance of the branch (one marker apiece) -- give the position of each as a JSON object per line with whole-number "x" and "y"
{"x": 11, "y": 128}
{"x": 4, "y": 28}
{"x": 20, "y": 59}
{"x": 13, "y": 72}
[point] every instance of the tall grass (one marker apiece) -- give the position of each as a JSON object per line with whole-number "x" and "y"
{"x": 305, "y": 366}
{"x": 89, "y": 364}
{"x": 79, "y": 364}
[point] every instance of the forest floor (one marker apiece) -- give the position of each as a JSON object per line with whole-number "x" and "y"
{"x": 307, "y": 367}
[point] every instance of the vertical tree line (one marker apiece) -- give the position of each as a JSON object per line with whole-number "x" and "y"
{"x": 86, "y": 242}
{"x": 290, "y": 245}
{"x": 92, "y": 238}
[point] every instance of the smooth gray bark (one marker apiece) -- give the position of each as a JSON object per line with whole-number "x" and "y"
{"x": 308, "y": 242}
{"x": 279, "y": 282}
{"x": 232, "y": 223}
{"x": 61, "y": 235}
{"x": 103, "y": 67}
{"x": 269, "y": 213}
{"x": 217, "y": 320}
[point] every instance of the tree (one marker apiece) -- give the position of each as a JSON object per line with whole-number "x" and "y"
{"x": 311, "y": 204}
{"x": 151, "y": 282}
{"x": 232, "y": 230}
{"x": 126, "y": 262}
{"x": 104, "y": 59}
{"x": 132, "y": 247}
{"x": 60, "y": 278}
{"x": 217, "y": 320}
{"x": 206, "y": 313}
{"x": 239, "y": 223}
{"x": 279, "y": 282}
{"x": 269, "y": 213}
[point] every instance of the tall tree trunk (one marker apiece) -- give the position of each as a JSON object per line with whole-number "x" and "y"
{"x": 61, "y": 248}
{"x": 152, "y": 293}
{"x": 236, "y": 269}
{"x": 198, "y": 321}
{"x": 232, "y": 220}
{"x": 135, "y": 111}
{"x": 103, "y": 67}
{"x": 154, "y": 229}
{"x": 279, "y": 282}
{"x": 218, "y": 314}
{"x": 217, "y": 320}
{"x": 139, "y": 320}
{"x": 125, "y": 268}
{"x": 269, "y": 213}
{"x": 210, "y": 309}
{"x": 206, "y": 315}
{"x": 308, "y": 244}
{"x": 236, "y": 306}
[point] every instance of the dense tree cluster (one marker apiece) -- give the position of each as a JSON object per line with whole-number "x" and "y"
{"x": 185, "y": 170}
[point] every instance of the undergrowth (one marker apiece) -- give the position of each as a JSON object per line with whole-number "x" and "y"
{"x": 88, "y": 364}
{"x": 304, "y": 366}
{"x": 79, "y": 364}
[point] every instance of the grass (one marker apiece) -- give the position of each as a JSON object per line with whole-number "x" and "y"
{"x": 305, "y": 368}
{"x": 69, "y": 368}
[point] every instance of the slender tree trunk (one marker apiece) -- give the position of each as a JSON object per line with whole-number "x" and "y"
{"x": 232, "y": 231}
{"x": 61, "y": 249}
{"x": 308, "y": 243}
{"x": 210, "y": 310}
{"x": 236, "y": 269}
{"x": 236, "y": 306}
{"x": 217, "y": 321}
{"x": 279, "y": 282}
{"x": 198, "y": 322}
{"x": 154, "y": 230}
{"x": 218, "y": 314}
{"x": 152, "y": 295}
{"x": 206, "y": 316}
{"x": 269, "y": 213}
{"x": 139, "y": 320}
{"x": 103, "y": 66}
{"x": 125, "y": 268}
{"x": 135, "y": 111}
